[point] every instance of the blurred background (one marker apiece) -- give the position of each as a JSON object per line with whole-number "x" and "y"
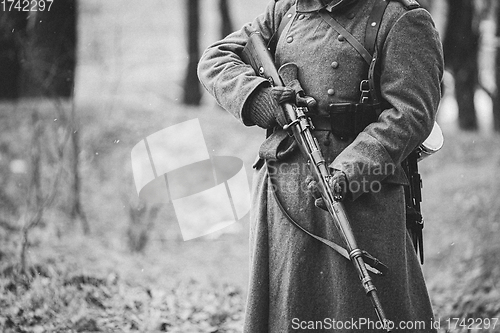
{"x": 81, "y": 82}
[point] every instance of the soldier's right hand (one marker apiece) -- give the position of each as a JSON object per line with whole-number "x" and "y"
{"x": 263, "y": 108}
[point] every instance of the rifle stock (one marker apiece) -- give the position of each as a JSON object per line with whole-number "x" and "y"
{"x": 258, "y": 56}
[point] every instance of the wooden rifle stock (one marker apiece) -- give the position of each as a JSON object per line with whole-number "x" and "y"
{"x": 258, "y": 56}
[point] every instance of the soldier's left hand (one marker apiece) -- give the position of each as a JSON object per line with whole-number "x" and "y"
{"x": 338, "y": 183}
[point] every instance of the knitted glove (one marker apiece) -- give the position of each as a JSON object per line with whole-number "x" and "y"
{"x": 263, "y": 106}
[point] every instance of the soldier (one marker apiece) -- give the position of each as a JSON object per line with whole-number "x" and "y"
{"x": 297, "y": 283}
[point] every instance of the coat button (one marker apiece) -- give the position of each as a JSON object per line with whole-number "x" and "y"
{"x": 331, "y": 92}
{"x": 289, "y": 39}
{"x": 335, "y": 65}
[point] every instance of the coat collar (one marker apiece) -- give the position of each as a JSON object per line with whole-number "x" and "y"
{"x": 315, "y": 5}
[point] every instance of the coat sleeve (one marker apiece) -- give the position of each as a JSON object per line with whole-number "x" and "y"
{"x": 411, "y": 73}
{"x": 221, "y": 70}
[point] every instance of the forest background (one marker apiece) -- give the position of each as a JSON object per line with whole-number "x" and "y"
{"x": 78, "y": 250}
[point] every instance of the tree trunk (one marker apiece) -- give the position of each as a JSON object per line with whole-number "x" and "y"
{"x": 12, "y": 29}
{"x": 226, "y": 22}
{"x": 38, "y": 51}
{"x": 192, "y": 89}
{"x": 461, "y": 47}
{"x": 496, "y": 99}
{"x": 34, "y": 203}
{"x": 76, "y": 209}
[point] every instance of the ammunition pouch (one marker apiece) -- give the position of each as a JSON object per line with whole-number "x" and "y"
{"x": 347, "y": 119}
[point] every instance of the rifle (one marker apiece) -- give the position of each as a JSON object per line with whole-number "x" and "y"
{"x": 258, "y": 56}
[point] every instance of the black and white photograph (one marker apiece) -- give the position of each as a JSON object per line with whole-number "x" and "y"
{"x": 262, "y": 166}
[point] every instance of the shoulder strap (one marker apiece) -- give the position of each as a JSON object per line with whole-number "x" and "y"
{"x": 373, "y": 25}
{"x": 273, "y": 42}
{"x": 372, "y": 29}
{"x": 370, "y": 42}
{"x": 375, "y": 19}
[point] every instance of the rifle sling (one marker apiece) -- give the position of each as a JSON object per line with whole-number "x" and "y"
{"x": 372, "y": 264}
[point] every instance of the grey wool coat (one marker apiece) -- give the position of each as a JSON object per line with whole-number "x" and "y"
{"x": 298, "y": 284}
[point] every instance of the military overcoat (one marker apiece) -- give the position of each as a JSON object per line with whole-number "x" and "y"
{"x": 298, "y": 284}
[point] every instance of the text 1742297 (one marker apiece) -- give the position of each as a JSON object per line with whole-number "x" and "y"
{"x": 25, "y": 5}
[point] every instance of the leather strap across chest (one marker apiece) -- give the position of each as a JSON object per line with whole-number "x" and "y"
{"x": 347, "y": 35}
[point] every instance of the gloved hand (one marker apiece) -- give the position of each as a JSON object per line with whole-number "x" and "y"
{"x": 263, "y": 108}
{"x": 338, "y": 184}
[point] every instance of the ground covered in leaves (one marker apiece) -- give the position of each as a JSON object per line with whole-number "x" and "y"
{"x": 52, "y": 300}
